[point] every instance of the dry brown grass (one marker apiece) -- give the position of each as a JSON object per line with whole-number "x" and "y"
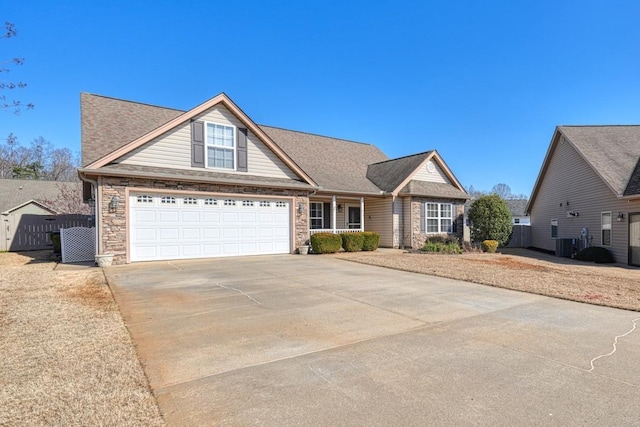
{"x": 67, "y": 358}
{"x": 522, "y": 270}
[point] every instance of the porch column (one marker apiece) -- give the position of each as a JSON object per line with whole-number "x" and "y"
{"x": 333, "y": 214}
{"x": 361, "y": 213}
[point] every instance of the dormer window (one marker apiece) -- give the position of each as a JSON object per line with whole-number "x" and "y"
{"x": 221, "y": 146}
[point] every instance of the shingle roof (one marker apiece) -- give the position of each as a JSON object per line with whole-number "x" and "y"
{"x": 108, "y": 123}
{"x": 433, "y": 189}
{"x": 121, "y": 169}
{"x": 517, "y": 206}
{"x": 335, "y": 164}
{"x": 15, "y": 192}
{"x": 613, "y": 151}
{"x": 389, "y": 174}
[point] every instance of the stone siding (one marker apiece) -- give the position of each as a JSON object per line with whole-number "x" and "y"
{"x": 418, "y": 238}
{"x": 114, "y": 231}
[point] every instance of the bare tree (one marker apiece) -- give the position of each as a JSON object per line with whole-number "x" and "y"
{"x": 69, "y": 199}
{"x": 502, "y": 190}
{"x": 15, "y": 104}
{"x": 39, "y": 161}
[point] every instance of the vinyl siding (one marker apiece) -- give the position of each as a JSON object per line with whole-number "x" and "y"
{"x": 436, "y": 176}
{"x": 570, "y": 179}
{"x": 379, "y": 219}
{"x": 173, "y": 149}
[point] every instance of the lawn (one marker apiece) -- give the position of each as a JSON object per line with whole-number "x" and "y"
{"x": 67, "y": 358}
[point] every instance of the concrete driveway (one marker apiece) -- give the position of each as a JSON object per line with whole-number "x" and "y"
{"x": 314, "y": 340}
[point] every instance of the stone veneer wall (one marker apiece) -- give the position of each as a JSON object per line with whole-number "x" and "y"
{"x": 114, "y": 231}
{"x": 418, "y": 237}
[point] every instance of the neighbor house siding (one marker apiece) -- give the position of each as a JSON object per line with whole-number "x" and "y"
{"x": 437, "y": 175}
{"x": 378, "y": 218}
{"x": 569, "y": 179}
{"x": 173, "y": 149}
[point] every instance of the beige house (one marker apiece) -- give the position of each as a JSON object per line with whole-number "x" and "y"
{"x": 588, "y": 189}
{"x": 209, "y": 182}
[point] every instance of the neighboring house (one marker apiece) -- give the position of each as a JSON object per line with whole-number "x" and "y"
{"x": 517, "y": 207}
{"x": 589, "y": 189}
{"x": 23, "y": 202}
{"x": 210, "y": 182}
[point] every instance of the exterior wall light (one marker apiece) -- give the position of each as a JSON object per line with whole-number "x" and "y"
{"x": 301, "y": 208}
{"x": 113, "y": 204}
{"x": 620, "y": 216}
{"x": 340, "y": 208}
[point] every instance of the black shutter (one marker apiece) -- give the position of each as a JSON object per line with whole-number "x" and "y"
{"x": 241, "y": 150}
{"x": 197, "y": 144}
{"x": 423, "y": 226}
{"x": 326, "y": 215}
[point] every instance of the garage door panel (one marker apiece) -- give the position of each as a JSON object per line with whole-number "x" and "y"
{"x": 168, "y": 215}
{"x": 201, "y": 228}
{"x": 168, "y": 233}
{"x": 190, "y": 216}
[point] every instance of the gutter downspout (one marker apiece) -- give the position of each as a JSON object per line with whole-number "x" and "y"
{"x": 98, "y": 218}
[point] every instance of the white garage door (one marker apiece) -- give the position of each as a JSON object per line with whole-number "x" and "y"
{"x": 170, "y": 226}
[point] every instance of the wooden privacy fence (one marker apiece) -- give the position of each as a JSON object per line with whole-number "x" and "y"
{"x": 521, "y": 236}
{"x": 28, "y": 232}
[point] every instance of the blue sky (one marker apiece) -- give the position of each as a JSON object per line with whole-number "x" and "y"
{"x": 484, "y": 83}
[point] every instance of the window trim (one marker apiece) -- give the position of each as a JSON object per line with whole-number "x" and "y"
{"x": 207, "y": 145}
{"x": 554, "y": 223}
{"x": 439, "y": 218}
{"x": 321, "y": 217}
{"x": 610, "y": 229}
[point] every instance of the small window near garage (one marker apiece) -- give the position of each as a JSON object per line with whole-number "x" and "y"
{"x": 190, "y": 201}
{"x": 247, "y": 203}
{"x": 516, "y": 220}
{"x": 605, "y": 219}
{"x": 143, "y": 198}
{"x": 229, "y": 202}
{"x": 281, "y": 204}
{"x": 168, "y": 200}
{"x": 554, "y": 228}
{"x": 316, "y": 218}
{"x": 264, "y": 203}
{"x": 210, "y": 202}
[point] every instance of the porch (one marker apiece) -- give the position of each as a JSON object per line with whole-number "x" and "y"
{"x": 337, "y": 215}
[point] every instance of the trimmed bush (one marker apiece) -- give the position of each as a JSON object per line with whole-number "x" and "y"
{"x": 596, "y": 254}
{"x": 490, "y": 246}
{"x": 352, "y": 242}
{"x": 442, "y": 244}
{"x": 325, "y": 243}
{"x": 370, "y": 241}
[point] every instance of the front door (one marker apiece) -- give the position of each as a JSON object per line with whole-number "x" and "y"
{"x": 634, "y": 239}
{"x": 353, "y": 218}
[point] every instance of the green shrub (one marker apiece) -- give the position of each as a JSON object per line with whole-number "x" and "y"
{"x": 370, "y": 241}
{"x": 442, "y": 244}
{"x": 55, "y": 239}
{"x": 490, "y": 219}
{"x": 352, "y": 242}
{"x": 596, "y": 254}
{"x": 490, "y": 246}
{"x": 326, "y": 243}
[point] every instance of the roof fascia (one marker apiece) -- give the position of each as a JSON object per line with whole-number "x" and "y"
{"x": 433, "y": 155}
{"x": 218, "y": 99}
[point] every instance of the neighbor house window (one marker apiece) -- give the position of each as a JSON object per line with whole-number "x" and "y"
{"x": 439, "y": 217}
{"x": 554, "y": 228}
{"x": 605, "y": 219}
{"x": 316, "y": 215}
{"x": 221, "y": 146}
